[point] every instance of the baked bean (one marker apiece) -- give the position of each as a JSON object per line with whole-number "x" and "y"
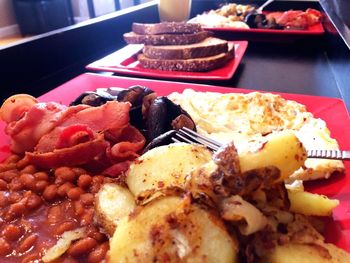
{"x": 95, "y": 187}
{"x": 34, "y": 201}
{"x": 78, "y": 208}
{"x": 5, "y": 247}
{"x": 84, "y": 181}
{"x": 98, "y": 254}
{"x": 78, "y": 171}
{"x": 7, "y": 166}
{"x": 29, "y": 169}
{"x": 87, "y": 217}
{"x": 11, "y": 232}
{"x": 50, "y": 192}
{"x": 64, "y": 189}
{"x": 30, "y": 258}
{"x": 15, "y": 184}
{"x": 3, "y": 185}
{"x": 27, "y": 243}
{"x": 66, "y": 173}
{"x": 65, "y": 226}
{"x": 22, "y": 163}
{"x": 13, "y": 158}
{"x": 82, "y": 246}
{"x": 3, "y": 199}
{"x": 27, "y": 180}
{"x": 40, "y": 186}
{"x": 87, "y": 199}
{"x": 98, "y": 179}
{"x": 8, "y": 175}
{"x": 55, "y": 214}
{"x": 14, "y": 197}
{"x": 41, "y": 176}
{"x": 15, "y": 210}
{"x": 74, "y": 193}
{"x": 95, "y": 234}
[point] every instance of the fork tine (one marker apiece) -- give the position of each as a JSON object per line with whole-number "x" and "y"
{"x": 184, "y": 139}
{"x": 211, "y": 141}
{"x": 194, "y": 137}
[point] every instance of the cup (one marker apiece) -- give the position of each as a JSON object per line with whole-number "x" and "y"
{"x": 174, "y": 10}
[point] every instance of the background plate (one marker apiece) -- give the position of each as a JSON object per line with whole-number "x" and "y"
{"x": 331, "y": 110}
{"x": 316, "y": 29}
{"x": 125, "y": 61}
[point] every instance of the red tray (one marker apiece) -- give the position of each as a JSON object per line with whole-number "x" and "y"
{"x": 332, "y": 110}
{"x": 125, "y": 61}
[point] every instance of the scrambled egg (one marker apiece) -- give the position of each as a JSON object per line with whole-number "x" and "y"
{"x": 249, "y": 120}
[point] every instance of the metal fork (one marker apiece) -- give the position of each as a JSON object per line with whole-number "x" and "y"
{"x": 189, "y": 136}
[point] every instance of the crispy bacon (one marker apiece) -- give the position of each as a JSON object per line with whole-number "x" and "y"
{"x": 296, "y": 19}
{"x": 71, "y": 156}
{"x": 112, "y": 115}
{"x": 39, "y": 120}
{"x": 129, "y": 141}
{"x": 53, "y": 135}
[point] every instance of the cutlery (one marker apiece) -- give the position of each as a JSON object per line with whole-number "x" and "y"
{"x": 189, "y": 136}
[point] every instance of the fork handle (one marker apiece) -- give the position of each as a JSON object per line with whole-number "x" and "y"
{"x": 329, "y": 154}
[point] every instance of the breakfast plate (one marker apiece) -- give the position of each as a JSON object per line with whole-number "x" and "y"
{"x": 124, "y": 61}
{"x": 331, "y": 110}
{"x": 314, "y": 30}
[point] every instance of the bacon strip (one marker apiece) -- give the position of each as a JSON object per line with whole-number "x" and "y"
{"x": 129, "y": 142}
{"x": 72, "y": 156}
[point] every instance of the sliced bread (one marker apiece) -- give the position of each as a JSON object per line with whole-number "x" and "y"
{"x": 166, "y": 39}
{"x": 166, "y": 28}
{"x": 208, "y": 47}
{"x": 196, "y": 64}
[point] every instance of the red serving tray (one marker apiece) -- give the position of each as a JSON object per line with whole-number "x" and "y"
{"x": 316, "y": 29}
{"x": 332, "y": 110}
{"x": 125, "y": 61}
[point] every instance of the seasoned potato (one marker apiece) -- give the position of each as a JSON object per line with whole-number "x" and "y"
{"x": 311, "y": 204}
{"x": 113, "y": 202}
{"x": 166, "y": 230}
{"x": 283, "y": 151}
{"x": 165, "y": 166}
{"x": 296, "y": 253}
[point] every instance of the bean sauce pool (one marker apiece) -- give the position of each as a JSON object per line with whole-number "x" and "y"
{"x": 37, "y": 207}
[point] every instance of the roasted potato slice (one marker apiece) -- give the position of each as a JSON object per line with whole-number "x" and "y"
{"x": 310, "y": 253}
{"x": 165, "y": 166}
{"x": 113, "y": 202}
{"x": 310, "y": 204}
{"x": 283, "y": 150}
{"x": 166, "y": 230}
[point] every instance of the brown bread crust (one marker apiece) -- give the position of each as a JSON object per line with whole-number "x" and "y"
{"x": 166, "y": 28}
{"x": 166, "y": 39}
{"x": 209, "y": 47}
{"x": 197, "y": 64}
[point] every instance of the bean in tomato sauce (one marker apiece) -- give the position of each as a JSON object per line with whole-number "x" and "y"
{"x": 37, "y": 207}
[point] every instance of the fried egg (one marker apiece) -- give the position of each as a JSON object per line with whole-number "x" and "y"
{"x": 250, "y": 119}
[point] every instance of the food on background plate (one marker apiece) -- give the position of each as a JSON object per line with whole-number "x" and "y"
{"x": 174, "y": 46}
{"x": 254, "y": 117}
{"x": 176, "y": 202}
{"x": 246, "y": 16}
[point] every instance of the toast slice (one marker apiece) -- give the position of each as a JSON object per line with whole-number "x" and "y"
{"x": 166, "y": 28}
{"x": 196, "y": 64}
{"x": 208, "y": 47}
{"x": 166, "y": 39}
